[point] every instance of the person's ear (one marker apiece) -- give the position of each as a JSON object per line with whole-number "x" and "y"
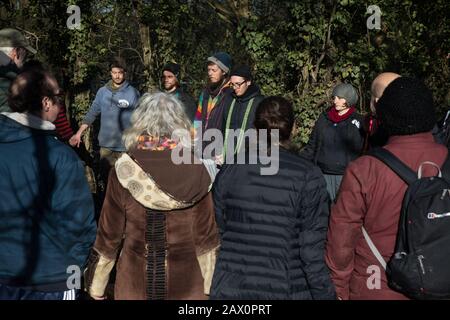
{"x": 373, "y": 103}
{"x": 46, "y": 104}
{"x": 15, "y": 53}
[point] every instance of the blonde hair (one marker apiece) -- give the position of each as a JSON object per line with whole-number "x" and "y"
{"x": 159, "y": 115}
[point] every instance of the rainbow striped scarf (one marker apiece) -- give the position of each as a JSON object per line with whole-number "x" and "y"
{"x": 198, "y": 120}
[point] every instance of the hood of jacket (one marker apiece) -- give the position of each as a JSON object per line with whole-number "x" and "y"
{"x": 157, "y": 183}
{"x": 9, "y": 71}
{"x": 20, "y": 126}
{"x": 252, "y": 92}
{"x": 123, "y": 87}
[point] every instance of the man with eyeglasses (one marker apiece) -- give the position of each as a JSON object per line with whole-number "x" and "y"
{"x": 46, "y": 206}
{"x": 63, "y": 128}
{"x": 13, "y": 51}
{"x": 241, "y": 105}
{"x": 170, "y": 81}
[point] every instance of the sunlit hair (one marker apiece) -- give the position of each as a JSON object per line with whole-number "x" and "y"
{"x": 159, "y": 115}
{"x": 275, "y": 112}
{"x": 29, "y": 88}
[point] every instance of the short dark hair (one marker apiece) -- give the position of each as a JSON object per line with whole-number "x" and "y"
{"x": 28, "y": 89}
{"x": 32, "y": 64}
{"x": 275, "y": 112}
{"x": 118, "y": 62}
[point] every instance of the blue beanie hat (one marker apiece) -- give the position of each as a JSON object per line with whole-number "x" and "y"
{"x": 222, "y": 59}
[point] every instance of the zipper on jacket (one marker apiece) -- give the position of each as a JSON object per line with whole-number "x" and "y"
{"x": 420, "y": 258}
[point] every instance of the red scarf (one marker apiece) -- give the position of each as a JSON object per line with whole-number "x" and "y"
{"x": 334, "y": 116}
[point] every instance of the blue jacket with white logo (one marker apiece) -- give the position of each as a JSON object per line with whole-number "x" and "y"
{"x": 115, "y": 107}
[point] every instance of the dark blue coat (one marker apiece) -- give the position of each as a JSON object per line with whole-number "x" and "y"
{"x": 46, "y": 209}
{"x": 273, "y": 231}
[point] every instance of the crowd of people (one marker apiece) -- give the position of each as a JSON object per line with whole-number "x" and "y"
{"x": 207, "y": 229}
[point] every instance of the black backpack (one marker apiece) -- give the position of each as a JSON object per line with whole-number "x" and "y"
{"x": 420, "y": 266}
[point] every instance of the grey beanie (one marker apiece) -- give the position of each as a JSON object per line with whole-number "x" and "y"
{"x": 222, "y": 59}
{"x": 346, "y": 91}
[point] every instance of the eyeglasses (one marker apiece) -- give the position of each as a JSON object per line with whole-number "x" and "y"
{"x": 58, "y": 98}
{"x": 237, "y": 85}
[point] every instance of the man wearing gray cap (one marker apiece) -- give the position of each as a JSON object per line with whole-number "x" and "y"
{"x": 211, "y": 102}
{"x": 13, "y": 51}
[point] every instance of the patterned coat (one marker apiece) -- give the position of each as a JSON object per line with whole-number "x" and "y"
{"x": 158, "y": 222}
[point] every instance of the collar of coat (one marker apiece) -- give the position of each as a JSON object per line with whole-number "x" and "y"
{"x": 31, "y": 121}
{"x": 252, "y": 92}
{"x": 143, "y": 187}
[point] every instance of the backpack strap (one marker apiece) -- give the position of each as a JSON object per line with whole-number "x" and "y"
{"x": 445, "y": 169}
{"x": 373, "y": 248}
{"x": 403, "y": 172}
{"x": 389, "y": 159}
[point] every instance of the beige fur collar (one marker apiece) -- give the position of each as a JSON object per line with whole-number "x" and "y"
{"x": 143, "y": 188}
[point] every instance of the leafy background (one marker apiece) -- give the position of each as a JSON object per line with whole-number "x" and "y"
{"x": 298, "y": 49}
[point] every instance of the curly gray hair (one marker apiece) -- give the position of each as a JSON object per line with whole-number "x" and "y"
{"x": 159, "y": 115}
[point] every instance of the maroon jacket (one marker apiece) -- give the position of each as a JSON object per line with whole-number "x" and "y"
{"x": 371, "y": 195}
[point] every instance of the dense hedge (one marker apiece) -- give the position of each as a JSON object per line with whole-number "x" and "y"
{"x": 298, "y": 49}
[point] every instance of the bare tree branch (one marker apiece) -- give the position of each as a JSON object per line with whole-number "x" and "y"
{"x": 325, "y": 44}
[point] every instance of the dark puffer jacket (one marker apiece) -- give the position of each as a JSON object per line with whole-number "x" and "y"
{"x": 273, "y": 232}
{"x": 332, "y": 146}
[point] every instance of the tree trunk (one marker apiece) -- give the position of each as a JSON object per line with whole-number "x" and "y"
{"x": 144, "y": 33}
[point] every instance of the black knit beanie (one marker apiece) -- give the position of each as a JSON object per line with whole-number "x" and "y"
{"x": 406, "y": 107}
{"x": 174, "y": 68}
{"x": 242, "y": 71}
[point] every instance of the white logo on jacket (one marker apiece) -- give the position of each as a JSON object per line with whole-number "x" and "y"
{"x": 356, "y": 123}
{"x": 122, "y": 103}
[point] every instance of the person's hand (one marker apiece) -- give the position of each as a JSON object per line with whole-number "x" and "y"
{"x": 219, "y": 159}
{"x": 98, "y": 298}
{"x": 75, "y": 140}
